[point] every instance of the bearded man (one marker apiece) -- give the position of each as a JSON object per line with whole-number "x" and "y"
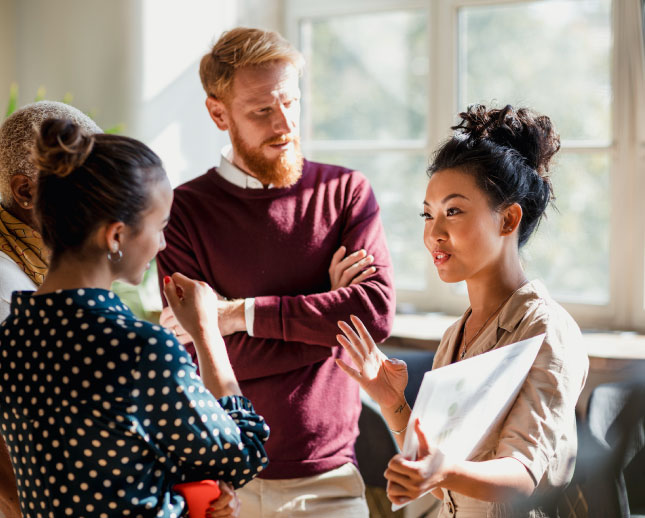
{"x": 292, "y": 247}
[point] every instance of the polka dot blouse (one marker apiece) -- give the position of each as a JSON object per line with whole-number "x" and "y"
{"x": 103, "y": 413}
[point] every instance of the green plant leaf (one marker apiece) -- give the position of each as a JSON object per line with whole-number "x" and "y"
{"x": 115, "y": 130}
{"x": 40, "y": 94}
{"x": 68, "y": 98}
{"x": 13, "y": 99}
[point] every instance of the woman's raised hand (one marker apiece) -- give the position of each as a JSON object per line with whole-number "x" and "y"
{"x": 193, "y": 304}
{"x": 383, "y": 379}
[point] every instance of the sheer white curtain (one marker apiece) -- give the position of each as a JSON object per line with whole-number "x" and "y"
{"x": 639, "y": 70}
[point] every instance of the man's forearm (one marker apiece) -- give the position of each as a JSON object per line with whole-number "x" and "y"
{"x": 312, "y": 318}
{"x": 231, "y": 316}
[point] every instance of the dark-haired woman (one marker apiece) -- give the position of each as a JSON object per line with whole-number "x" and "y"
{"x": 488, "y": 190}
{"x": 23, "y": 256}
{"x": 102, "y": 412}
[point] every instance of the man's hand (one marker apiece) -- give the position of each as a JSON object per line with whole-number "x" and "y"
{"x": 227, "y": 505}
{"x": 352, "y": 269}
{"x": 169, "y": 320}
{"x": 230, "y": 314}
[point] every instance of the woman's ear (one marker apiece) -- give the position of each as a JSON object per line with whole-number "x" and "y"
{"x": 511, "y": 218}
{"x": 110, "y": 236}
{"x": 23, "y": 190}
{"x": 218, "y": 112}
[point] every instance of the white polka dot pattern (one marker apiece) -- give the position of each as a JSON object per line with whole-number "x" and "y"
{"x": 103, "y": 413}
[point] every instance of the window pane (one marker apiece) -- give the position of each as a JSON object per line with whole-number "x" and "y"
{"x": 524, "y": 53}
{"x": 570, "y": 250}
{"x": 399, "y": 182}
{"x": 368, "y": 76}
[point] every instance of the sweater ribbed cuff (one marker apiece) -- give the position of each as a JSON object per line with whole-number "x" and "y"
{"x": 268, "y": 323}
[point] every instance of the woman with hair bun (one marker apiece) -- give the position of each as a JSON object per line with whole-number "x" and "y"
{"x": 104, "y": 413}
{"x": 24, "y": 259}
{"x": 488, "y": 190}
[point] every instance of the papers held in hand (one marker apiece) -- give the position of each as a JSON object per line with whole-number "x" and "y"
{"x": 459, "y": 404}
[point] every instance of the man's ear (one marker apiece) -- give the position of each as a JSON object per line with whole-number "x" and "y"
{"x": 23, "y": 190}
{"x": 511, "y": 218}
{"x": 218, "y": 112}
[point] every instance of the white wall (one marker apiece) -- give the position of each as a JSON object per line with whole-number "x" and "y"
{"x": 133, "y": 62}
{"x": 77, "y": 46}
{"x": 170, "y": 114}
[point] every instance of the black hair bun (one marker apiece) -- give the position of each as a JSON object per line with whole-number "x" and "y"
{"x": 61, "y": 147}
{"x": 531, "y": 135}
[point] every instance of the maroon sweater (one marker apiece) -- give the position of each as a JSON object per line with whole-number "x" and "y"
{"x": 276, "y": 245}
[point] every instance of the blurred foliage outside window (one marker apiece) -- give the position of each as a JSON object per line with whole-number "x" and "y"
{"x": 369, "y": 76}
{"x": 554, "y": 56}
{"x": 366, "y": 106}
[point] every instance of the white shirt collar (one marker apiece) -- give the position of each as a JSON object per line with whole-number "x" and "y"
{"x": 233, "y": 174}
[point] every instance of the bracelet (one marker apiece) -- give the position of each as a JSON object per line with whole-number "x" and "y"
{"x": 395, "y": 432}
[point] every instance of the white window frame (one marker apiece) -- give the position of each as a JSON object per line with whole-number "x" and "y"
{"x": 626, "y": 307}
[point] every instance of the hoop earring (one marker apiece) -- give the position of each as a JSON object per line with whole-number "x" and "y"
{"x": 115, "y": 256}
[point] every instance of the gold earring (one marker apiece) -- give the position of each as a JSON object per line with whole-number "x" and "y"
{"x": 25, "y": 203}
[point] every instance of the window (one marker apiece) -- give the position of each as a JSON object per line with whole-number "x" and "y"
{"x": 386, "y": 79}
{"x": 389, "y": 74}
{"x": 555, "y": 55}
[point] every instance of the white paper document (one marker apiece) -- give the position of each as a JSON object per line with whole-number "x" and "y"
{"x": 458, "y": 404}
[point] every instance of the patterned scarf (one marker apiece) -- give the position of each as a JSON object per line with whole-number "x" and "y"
{"x": 24, "y": 245}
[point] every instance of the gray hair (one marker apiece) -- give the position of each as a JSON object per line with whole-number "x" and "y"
{"x": 18, "y": 135}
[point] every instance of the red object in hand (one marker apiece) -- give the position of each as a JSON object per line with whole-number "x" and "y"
{"x": 166, "y": 279}
{"x": 198, "y": 495}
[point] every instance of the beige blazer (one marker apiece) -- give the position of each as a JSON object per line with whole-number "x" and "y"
{"x": 539, "y": 430}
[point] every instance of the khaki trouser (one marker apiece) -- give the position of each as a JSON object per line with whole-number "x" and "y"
{"x": 334, "y": 494}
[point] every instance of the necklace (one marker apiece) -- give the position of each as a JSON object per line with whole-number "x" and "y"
{"x": 468, "y": 342}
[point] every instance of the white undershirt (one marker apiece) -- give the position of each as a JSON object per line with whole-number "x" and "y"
{"x": 233, "y": 174}
{"x": 12, "y": 278}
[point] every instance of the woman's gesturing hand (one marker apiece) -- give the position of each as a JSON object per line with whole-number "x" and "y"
{"x": 409, "y": 479}
{"x": 193, "y": 304}
{"x": 383, "y": 379}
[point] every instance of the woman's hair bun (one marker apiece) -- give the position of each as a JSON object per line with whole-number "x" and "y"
{"x": 61, "y": 147}
{"x": 531, "y": 135}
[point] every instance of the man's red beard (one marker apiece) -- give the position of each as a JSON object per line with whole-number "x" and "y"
{"x": 282, "y": 171}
